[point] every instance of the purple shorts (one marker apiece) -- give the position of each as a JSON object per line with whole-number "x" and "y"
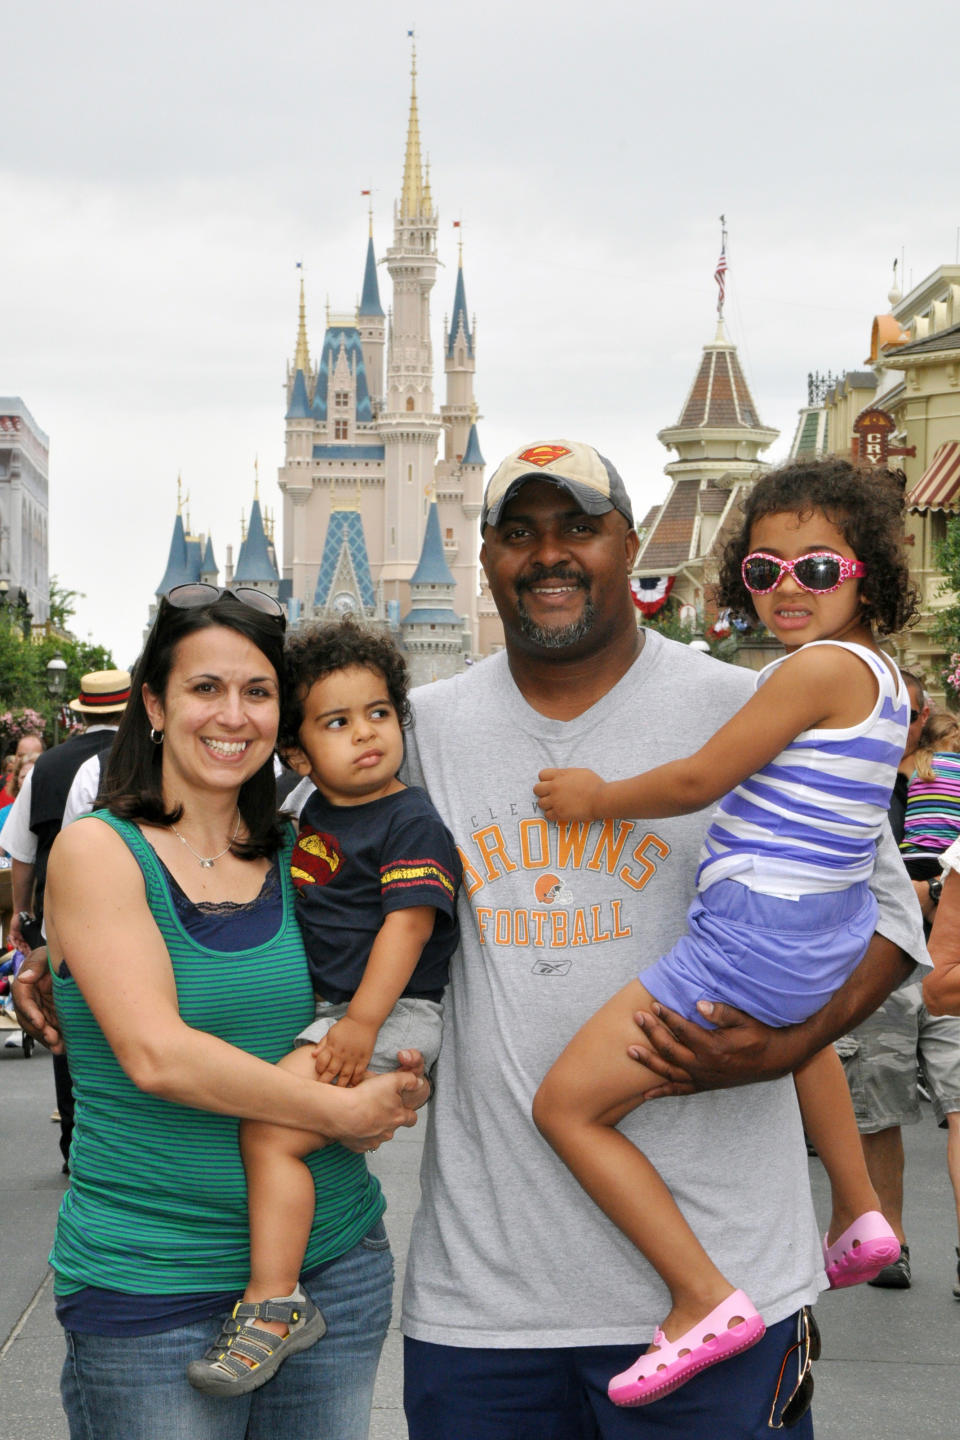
{"x": 778, "y": 960}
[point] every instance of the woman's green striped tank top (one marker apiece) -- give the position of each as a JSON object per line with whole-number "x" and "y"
{"x": 157, "y": 1197}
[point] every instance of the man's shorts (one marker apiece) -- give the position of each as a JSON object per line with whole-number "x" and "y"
{"x": 411, "y": 1025}
{"x": 880, "y": 1060}
{"x": 561, "y": 1394}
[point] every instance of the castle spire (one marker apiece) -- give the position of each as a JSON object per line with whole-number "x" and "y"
{"x": 460, "y": 320}
{"x": 301, "y": 359}
{"x": 412, "y": 196}
{"x": 370, "y": 299}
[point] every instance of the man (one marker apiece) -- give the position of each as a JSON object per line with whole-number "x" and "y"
{"x": 521, "y": 1299}
{"x": 880, "y": 1056}
{"x": 35, "y": 822}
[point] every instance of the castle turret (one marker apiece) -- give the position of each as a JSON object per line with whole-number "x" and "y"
{"x": 459, "y": 362}
{"x": 433, "y": 633}
{"x": 255, "y": 565}
{"x": 208, "y": 566}
{"x": 409, "y": 425}
{"x": 371, "y": 324}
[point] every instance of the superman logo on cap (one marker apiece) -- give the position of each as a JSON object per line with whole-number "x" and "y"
{"x": 544, "y": 454}
{"x": 316, "y": 858}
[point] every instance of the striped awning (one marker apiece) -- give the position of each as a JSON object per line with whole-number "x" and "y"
{"x": 939, "y": 486}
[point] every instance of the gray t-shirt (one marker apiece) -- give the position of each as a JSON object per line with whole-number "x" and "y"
{"x": 507, "y": 1250}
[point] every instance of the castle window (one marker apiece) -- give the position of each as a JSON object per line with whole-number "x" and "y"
{"x": 341, "y": 399}
{"x": 409, "y": 402}
{"x": 449, "y": 533}
{"x": 341, "y": 429}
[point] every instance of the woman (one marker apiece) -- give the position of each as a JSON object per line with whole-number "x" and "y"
{"x": 179, "y": 977}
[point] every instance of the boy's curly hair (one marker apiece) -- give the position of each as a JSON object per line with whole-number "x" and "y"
{"x": 867, "y": 507}
{"x": 319, "y": 650}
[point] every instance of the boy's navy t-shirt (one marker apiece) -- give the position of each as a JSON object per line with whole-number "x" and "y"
{"x": 352, "y": 865}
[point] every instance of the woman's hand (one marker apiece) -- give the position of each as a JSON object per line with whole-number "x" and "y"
{"x": 370, "y": 1113}
{"x": 33, "y": 1001}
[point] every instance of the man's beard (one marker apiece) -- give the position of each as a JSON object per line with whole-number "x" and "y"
{"x": 558, "y": 637}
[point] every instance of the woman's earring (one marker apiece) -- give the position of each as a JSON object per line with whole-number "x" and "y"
{"x": 156, "y": 736}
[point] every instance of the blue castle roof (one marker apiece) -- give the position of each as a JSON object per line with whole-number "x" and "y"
{"x": 254, "y": 564}
{"x": 346, "y": 337}
{"x": 370, "y": 300}
{"x": 208, "y": 565}
{"x": 433, "y": 568}
{"x": 178, "y": 571}
{"x": 345, "y": 529}
{"x": 459, "y": 318}
{"x": 472, "y": 456}
{"x": 340, "y": 451}
{"x": 299, "y": 405}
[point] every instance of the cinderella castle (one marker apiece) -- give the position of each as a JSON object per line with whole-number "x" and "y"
{"x": 376, "y": 521}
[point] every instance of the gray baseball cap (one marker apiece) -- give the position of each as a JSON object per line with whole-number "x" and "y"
{"x": 584, "y": 472}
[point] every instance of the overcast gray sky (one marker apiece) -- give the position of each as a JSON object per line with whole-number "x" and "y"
{"x": 165, "y": 166}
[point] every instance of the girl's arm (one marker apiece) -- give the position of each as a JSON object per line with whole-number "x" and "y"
{"x": 98, "y": 919}
{"x": 345, "y": 1050}
{"x": 821, "y": 686}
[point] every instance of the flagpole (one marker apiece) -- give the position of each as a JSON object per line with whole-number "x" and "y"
{"x": 721, "y": 271}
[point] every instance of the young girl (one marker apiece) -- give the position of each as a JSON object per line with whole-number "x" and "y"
{"x": 932, "y": 819}
{"x": 783, "y": 912}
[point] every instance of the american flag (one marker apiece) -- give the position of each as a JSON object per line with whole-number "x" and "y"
{"x": 720, "y": 275}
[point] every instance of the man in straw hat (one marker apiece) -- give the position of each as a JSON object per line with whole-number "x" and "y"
{"x": 37, "y": 817}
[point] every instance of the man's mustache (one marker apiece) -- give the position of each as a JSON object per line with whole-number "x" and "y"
{"x": 536, "y": 577}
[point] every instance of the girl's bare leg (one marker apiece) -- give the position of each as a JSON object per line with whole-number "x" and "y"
{"x": 280, "y": 1197}
{"x": 829, "y": 1121}
{"x": 592, "y": 1086}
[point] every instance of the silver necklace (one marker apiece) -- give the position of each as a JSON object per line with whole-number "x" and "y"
{"x": 206, "y": 861}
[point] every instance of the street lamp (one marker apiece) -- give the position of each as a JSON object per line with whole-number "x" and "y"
{"x": 56, "y": 684}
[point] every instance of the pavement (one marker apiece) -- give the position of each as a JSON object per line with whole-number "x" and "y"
{"x": 890, "y": 1358}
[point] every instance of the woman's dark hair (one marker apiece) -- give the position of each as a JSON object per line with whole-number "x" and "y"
{"x": 319, "y": 650}
{"x": 133, "y": 787}
{"x": 866, "y": 505}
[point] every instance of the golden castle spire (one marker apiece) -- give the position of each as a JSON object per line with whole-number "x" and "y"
{"x": 412, "y": 195}
{"x": 256, "y": 477}
{"x": 301, "y": 360}
{"x": 427, "y": 197}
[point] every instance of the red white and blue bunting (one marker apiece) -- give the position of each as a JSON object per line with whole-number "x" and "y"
{"x": 650, "y": 593}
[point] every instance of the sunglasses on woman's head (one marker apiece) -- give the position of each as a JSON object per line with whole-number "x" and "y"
{"x": 784, "y": 1414}
{"x": 819, "y": 573}
{"x": 191, "y": 597}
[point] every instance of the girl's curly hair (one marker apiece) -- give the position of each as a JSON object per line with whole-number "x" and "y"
{"x": 318, "y": 650}
{"x": 867, "y": 507}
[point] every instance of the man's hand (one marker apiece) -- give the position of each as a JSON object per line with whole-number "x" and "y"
{"x": 344, "y": 1052}
{"x": 33, "y": 1001}
{"x": 688, "y": 1057}
{"x": 412, "y": 1061}
{"x": 571, "y": 794}
{"x": 15, "y": 940}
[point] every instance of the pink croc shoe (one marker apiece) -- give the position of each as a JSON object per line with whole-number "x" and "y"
{"x": 676, "y": 1362}
{"x": 864, "y": 1249}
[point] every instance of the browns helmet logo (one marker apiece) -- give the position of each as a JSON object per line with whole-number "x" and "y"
{"x": 550, "y": 890}
{"x": 316, "y": 858}
{"x": 544, "y": 454}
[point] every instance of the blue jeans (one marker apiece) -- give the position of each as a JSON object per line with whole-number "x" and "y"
{"x": 561, "y": 1394}
{"x": 136, "y": 1388}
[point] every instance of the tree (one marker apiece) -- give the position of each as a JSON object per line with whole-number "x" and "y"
{"x": 23, "y": 662}
{"x": 945, "y": 625}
